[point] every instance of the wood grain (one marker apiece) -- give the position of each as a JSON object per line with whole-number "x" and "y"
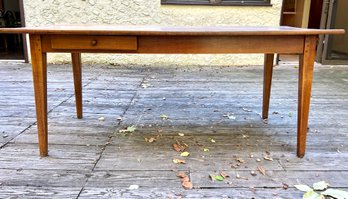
{"x": 195, "y": 96}
{"x": 90, "y": 42}
{"x": 171, "y": 30}
{"x": 220, "y": 44}
{"x": 304, "y": 92}
{"x": 267, "y": 83}
{"x": 39, "y": 67}
{"x": 77, "y": 74}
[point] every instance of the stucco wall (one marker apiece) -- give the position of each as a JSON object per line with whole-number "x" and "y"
{"x": 151, "y": 12}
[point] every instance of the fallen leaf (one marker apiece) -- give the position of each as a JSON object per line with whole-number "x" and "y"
{"x": 229, "y": 116}
{"x": 119, "y": 118}
{"x": 265, "y": 121}
{"x": 238, "y": 176}
{"x": 206, "y": 150}
{"x": 178, "y": 147}
{"x": 246, "y": 110}
{"x": 303, "y": 187}
{"x": 312, "y": 195}
{"x": 129, "y": 129}
{"x": 187, "y": 185}
{"x": 60, "y": 89}
{"x": 164, "y": 117}
{"x": 285, "y": 186}
{"x": 152, "y": 139}
{"x": 185, "y": 179}
{"x": 261, "y": 170}
{"x": 178, "y": 161}
{"x": 267, "y": 157}
{"x": 184, "y": 144}
{"x": 133, "y": 187}
{"x": 290, "y": 114}
{"x": 335, "y": 193}
{"x": 181, "y": 134}
{"x": 184, "y": 154}
{"x": 235, "y": 165}
{"x": 181, "y": 174}
{"x": 319, "y": 186}
{"x": 212, "y": 177}
{"x": 218, "y": 178}
{"x": 145, "y": 84}
{"x": 224, "y": 174}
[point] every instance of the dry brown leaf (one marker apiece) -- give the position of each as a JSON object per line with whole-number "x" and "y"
{"x": 187, "y": 185}
{"x": 178, "y": 147}
{"x": 184, "y": 144}
{"x": 235, "y": 166}
{"x": 240, "y": 177}
{"x": 151, "y": 139}
{"x": 267, "y": 157}
{"x": 212, "y": 177}
{"x": 185, "y": 179}
{"x": 285, "y": 186}
{"x": 261, "y": 170}
{"x": 224, "y": 174}
{"x": 178, "y": 161}
{"x": 181, "y": 174}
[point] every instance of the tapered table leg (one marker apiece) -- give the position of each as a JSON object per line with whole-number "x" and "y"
{"x": 76, "y": 64}
{"x": 304, "y": 91}
{"x": 267, "y": 81}
{"x": 39, "y": 67}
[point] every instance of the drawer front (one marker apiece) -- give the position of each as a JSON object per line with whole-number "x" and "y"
{"x": 82, "y": 42}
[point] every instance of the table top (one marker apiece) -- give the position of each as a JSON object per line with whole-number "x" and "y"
{"x": 170, "y": 30}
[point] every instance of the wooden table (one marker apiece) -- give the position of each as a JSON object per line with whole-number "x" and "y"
{"x": 172, "y": 40}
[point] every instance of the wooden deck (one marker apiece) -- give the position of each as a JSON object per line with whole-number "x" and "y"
{"x": 88, "y": 158}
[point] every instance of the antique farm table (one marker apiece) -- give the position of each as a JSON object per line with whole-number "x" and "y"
{"x": 172, "y": 40}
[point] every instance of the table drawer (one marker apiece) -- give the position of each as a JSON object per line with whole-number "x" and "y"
{"x": 81, "y": 42}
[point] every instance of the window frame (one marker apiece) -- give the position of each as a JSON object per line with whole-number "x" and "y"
{"x": 218, "y": 3}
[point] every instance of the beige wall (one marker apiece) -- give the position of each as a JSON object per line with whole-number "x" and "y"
{"x": 340, "y": 42}
{"x": 151, "y": 12}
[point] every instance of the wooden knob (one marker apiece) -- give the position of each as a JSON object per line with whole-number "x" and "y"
{"x": 94, "y": 42}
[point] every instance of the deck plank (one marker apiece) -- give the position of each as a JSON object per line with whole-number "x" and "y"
{"x": 89, "y": 158}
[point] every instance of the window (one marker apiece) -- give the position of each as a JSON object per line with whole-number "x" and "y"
{"x": 218, "y": 2}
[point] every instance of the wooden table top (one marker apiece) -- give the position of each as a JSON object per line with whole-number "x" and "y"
{"x": 170, "y": 30}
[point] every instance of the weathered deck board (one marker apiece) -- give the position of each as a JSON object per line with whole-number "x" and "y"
{"x": 88, "y": 158}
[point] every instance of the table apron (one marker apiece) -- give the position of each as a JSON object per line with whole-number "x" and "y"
{"x": 287, "y": 44}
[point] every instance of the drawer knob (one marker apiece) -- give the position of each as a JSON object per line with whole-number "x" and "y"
{"x": 94, "y": 42}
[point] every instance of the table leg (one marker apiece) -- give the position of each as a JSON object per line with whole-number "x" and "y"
{"x": 39, "y": 67}
{"x": 304, "y": 92}
{"x": 76, "y": 64}
{"x": 267, "y": 81}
